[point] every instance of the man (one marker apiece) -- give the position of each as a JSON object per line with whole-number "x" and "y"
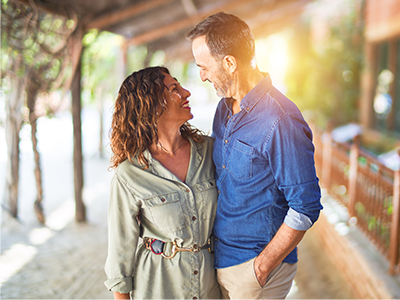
{"x": 264, "y": 157}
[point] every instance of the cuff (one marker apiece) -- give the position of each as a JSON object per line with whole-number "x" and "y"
{"x": 120, "y": 285}
{"x": 297, "y": 220}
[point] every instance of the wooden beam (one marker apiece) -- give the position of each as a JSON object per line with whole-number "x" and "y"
{"x": 279, "y": 12}
{"x": 55, "y": 10}
{"x": 189, "y": 7}
{"x": 192, "y": 20}
{"x": 118, "y": 16}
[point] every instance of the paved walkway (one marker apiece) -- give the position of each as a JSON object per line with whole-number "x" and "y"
{"x": 63, "y": 260}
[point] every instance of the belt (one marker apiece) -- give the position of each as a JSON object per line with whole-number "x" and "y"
{"x": 157, "y": 247}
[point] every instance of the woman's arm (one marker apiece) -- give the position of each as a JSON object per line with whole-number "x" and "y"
{"x": 123, "y": 235}
{"x": 121, "y": 296}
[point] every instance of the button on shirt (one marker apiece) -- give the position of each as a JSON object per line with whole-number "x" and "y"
{"x": 265, "y": 174}
{"x": 171, "y": 210}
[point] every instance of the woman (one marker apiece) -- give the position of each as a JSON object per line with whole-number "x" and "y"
{"x": 165, "y": 175}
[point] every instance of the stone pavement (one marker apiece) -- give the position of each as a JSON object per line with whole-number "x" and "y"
{"x": 63, "y": 260}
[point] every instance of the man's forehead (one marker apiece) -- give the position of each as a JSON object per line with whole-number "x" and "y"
{"x": 201, "y": 52}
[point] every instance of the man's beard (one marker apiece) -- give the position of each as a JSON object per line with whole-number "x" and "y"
{"x": 225, "y": 81}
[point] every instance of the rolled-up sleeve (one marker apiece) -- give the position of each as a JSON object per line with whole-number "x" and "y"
{"x": 297, "y": 220}
{"x": 292, "y": 161}
{"x": 123, "y": 235}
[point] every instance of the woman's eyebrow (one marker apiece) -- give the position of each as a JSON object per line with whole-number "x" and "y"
{"x": 172, "y": 85}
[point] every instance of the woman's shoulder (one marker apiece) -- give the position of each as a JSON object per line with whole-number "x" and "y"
{"x": 208, "y": 139}
{"x": 128, "y": 168}
{"x": 206, "y": 142}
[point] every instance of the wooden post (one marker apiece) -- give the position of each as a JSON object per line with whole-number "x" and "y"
{"x": 368, "y": 85}
{"x": 13, "y": 126}
{"x": 354, "y": 151}
{"x": 392, "y": 86}
{"x": 80, "y": 210}
{"x": 394, "y": 232}
{"x": 327, "y": 159}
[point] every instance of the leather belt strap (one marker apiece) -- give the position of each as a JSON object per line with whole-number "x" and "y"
{"x": 157, "y": 247}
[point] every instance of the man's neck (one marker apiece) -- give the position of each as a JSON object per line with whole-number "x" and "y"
{"x": 245, "y": 81}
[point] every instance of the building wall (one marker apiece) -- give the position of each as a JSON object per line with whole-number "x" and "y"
{"x": 382, "y": 40}
{"x": 382, "y": 19}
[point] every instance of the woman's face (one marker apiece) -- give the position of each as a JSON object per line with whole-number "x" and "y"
{"x": 176, "y": 102}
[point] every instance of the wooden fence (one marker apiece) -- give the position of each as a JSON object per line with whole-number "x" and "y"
{"x": 369, "y": 190}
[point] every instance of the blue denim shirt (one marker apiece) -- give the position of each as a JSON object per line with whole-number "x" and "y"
{"x": 265, "y": 173}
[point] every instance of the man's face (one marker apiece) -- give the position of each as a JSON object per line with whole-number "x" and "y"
{"x": 210, "y": 69}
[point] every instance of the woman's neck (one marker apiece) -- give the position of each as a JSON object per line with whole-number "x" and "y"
{"x": 169, "y": 141}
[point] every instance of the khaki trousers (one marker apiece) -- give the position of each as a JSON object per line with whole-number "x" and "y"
{"x": 240, "y": 282}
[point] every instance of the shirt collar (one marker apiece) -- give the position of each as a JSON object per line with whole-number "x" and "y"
{"x": 252, "y": 97}
{"x": 195, "y": 147}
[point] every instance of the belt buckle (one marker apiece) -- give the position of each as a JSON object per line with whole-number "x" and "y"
{"x": 174, "y": 250}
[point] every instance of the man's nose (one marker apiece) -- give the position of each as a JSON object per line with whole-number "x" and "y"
{"x": 203, "y": 77}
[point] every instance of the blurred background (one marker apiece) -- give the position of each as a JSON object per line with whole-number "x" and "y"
{"x": 62, "y": 62}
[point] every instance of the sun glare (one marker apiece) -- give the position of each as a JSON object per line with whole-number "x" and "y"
{"x": 272, "y": 56}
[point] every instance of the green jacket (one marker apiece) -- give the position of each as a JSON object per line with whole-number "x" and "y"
{"x": 171, "y": 210}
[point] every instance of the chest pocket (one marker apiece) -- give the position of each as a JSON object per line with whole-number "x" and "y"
{"x": 207, "y": 204}
{"x": 240, "y": 162}
{"x": 166, "y": 212}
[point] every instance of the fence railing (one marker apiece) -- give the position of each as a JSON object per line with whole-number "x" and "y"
{"x": 369, "y": 190}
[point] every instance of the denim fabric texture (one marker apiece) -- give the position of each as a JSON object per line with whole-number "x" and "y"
{"x": 265, "y": 172}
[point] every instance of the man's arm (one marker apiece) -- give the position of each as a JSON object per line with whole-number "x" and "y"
{"x": 121, "y": 296}
{"x": 284, "y": 241}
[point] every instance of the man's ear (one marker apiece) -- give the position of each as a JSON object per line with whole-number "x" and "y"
{"x": 230, "y": 63}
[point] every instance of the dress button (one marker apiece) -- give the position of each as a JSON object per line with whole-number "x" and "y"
{"x": 187, "y": 190}
{"x": 194, "y": 218}
{"x": 195, "y": 272}
{"x": 223, "y": 167}
{"x": 247, "y": 108}
{"x": 219, "y": 192}
{"x": 216, "y": 239}
{"x": 162, "y": 199}
{"x": 226, "y": 141}
{"x": 194, "y": 298}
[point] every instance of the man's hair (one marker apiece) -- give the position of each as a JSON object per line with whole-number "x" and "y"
{"x": 226, "y": 34}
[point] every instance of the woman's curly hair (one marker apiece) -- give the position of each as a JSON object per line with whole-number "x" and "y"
{"x": 134, "y": 122}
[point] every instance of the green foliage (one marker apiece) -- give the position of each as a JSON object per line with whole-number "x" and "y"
{"x": 99, "y": 65}
{"x": 324, "y": 79}
{"x": 33, "y": 43}
{"x": 136, "y": 58}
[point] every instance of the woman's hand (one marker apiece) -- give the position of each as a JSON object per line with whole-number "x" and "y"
{"x": 121, "y": 296}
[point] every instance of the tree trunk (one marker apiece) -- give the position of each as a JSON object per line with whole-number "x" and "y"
{"x": 13, "y": 126}
{"x": 31, "y": 95}
{"x": 100, "y": 108}
{"x": 80, "y": 210}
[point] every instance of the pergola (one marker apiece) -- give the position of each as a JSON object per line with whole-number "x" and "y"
{"x": 160, "y": 25}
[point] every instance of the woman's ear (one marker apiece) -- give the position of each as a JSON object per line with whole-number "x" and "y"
{"x": 230, "y": 63}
